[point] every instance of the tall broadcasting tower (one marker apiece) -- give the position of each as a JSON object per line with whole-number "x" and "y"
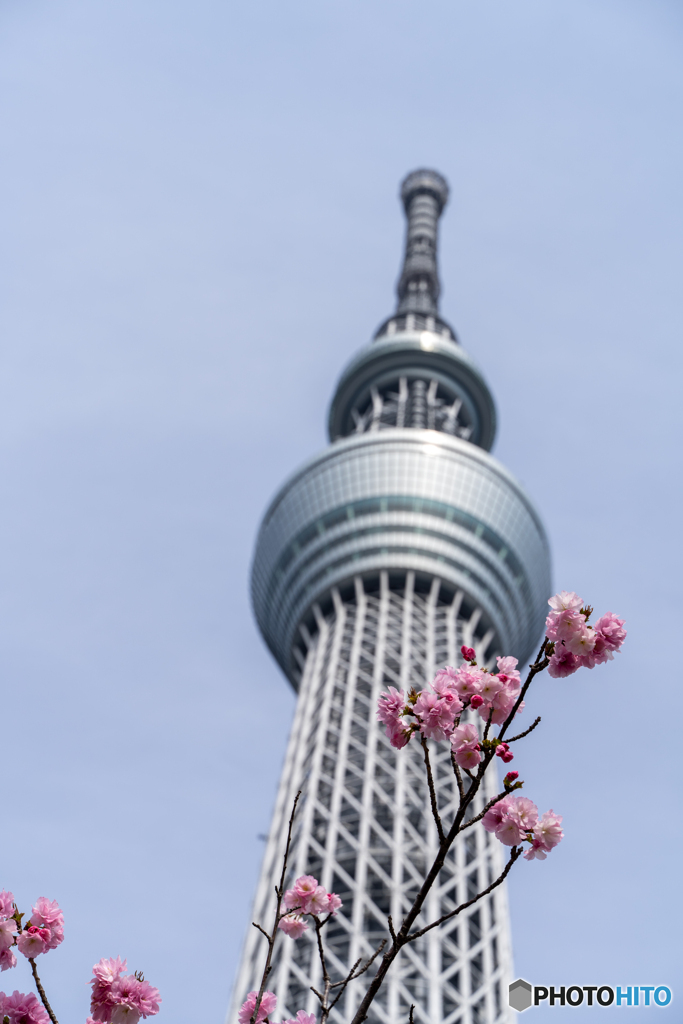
{"x": 375, "y": 561}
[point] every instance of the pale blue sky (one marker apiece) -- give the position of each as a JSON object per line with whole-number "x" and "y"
{"x": 200, "y": 225}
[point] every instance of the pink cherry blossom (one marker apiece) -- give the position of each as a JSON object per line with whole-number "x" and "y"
{"x": 536, "y": 850}
{"x": 6, "y": 903}
{"x": 301, "y": 1018}
{"x": 502, "y": 704}
{"x": 47, "y": 914}
{"x": 524, "y": 812}
{"x": 566, "y": 599}
{"x": 293, "y": 925}
{"x": 509, "y": 832}
{"x": 610, "y": 630}
{"x": 581, "y": 643}
{"x": 548, "y": 829}
{"x": 465, "y": 736}
{"x": 118, "y": 998}
{"x": 469, "y": 681}
{"x": 491, "y": 685}
{"x": 33, "y": 941}
{"x": 398, "y": 736}
{"x": 494, "y": 816}
{"x": 268, "y": 1004}
{"x": 318, "y": 902}
{"x": 7, "y": 960}
{"x": 466, "y": 757}
{"x": 301, "y": 893}
{"x": 435, "y": 715}
{"x": 333, "y": 903}
{"x": 132, "y": 999}
{"x": 562, "y": 663}
{"x": 22, "y": 1009}
{"x": 390, "y": 705}
{"x": 8, "y": 929}
{"x": 564, "y": 625}
{"x": 476, "y": 700}
{"x": 508, "y": 667}
{"x": 503, "y": 751}
{"x": 445, "y": 680}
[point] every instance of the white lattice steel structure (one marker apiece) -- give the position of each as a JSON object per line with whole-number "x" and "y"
{"x": 374, "y": 563}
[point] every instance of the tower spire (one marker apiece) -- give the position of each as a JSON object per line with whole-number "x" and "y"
{"x": 424, "y": 194}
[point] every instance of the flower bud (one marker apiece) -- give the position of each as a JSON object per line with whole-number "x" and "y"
{"x": 468, "y": 653}
{"x": 476, "y": 701}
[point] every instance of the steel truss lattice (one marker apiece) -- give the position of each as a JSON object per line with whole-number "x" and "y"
{"x": 364, "y": 827}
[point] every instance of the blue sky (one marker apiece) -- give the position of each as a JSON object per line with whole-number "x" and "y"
{"x": 200, "y": 225}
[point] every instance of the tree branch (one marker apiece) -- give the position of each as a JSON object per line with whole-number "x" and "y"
{"x": 515, "y": 854}
{"x": 432, "y": 791}
{"x": 541, "y": 662}
{"x": 41, "y": 992}
{"x": 526, "y": 732}
{"x": 279, "y": 891}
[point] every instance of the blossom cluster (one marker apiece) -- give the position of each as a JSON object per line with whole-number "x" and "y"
{"x": 306, "y": 896}
{"x": 578, "y": 645}
{"x": 266, "y": 1007}
{"x": 44, "y": 931}
{"x": 436, "y": 710}
{"x": 514, "y": 819}
{"x": 22, "y": 1009}
{"x": 119, "y": 998}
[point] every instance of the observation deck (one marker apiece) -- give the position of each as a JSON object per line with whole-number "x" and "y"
{"x": 407, "y": 485}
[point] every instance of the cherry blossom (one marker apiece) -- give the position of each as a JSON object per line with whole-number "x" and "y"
{"x": 308, "y": 897}
{"x": 268, "y": 1004}
{"x": 22, "y": 1009}
{"x": 436, "y": 714}
{"x": 293, "y": 925}
{"x": 301, "y": 1018}
{"x": 119, "y": 998}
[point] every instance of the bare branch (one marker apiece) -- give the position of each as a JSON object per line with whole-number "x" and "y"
{"x": 353, "y": 974}
{"x": 391, "y": 928}
{"x": 411, "y": 1018}
{"x": 458, "y": 776}
{"x": 542, "y": 661}
{"x": 526, "y": 732}
{"x": 432, "y": 791}
{"x": 371, "y": 960}
{"x": 260, "y": 929}
{"x": 279, "y": 893}
{"x": 488, "y": 723}
{"x": 41, "y": 992}
{"x": 515, "y": 854}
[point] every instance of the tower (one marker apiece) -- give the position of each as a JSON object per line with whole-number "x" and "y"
{"x": 375, "y": 561}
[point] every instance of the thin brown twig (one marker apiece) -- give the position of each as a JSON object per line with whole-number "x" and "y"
{"x": 458, "y": 776}
{"x": 411, "y": 1018}
{"x": 541, "y": 662}
{"x": 432, "y": 791}
{"x": 515, "y": 854}
{"x": 353, "y": 974}
{"x": 521, "y": 735}
{"x": 488, "y": 723}
{"x": 279, "y": 891}
{"x": 41, "y": 992}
